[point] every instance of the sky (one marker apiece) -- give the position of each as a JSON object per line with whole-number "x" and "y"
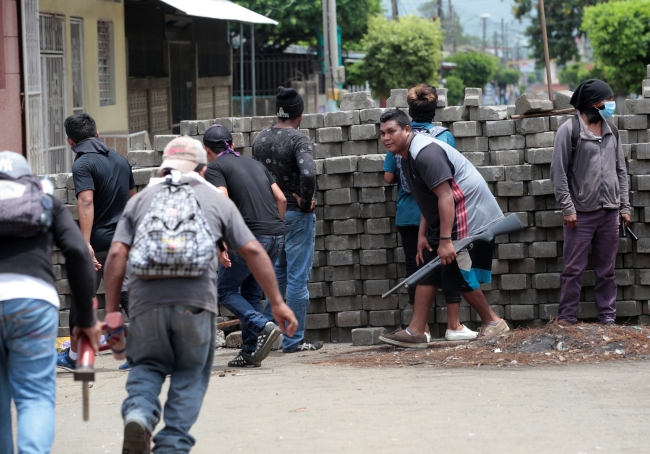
{"x": 470, "y": 12}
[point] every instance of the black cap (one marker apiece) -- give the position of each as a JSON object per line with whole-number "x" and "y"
{"x": 215, "y": 136}
{"x": 288, "y": 103}
{"x": 589, "y": 93}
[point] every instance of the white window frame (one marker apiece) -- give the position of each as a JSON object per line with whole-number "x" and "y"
{"x": 106, "y": 96}
{"x": 77, "y": 21}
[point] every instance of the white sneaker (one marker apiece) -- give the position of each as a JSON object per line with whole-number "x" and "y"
{"x": 463, "y": 334}
{"x": 428, "y": 337}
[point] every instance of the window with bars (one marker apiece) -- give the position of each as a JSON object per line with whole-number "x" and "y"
{"x": 106, "y": 65}
{"x": 76, "y": 54}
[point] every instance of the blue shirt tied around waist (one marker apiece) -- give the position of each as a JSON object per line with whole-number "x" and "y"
{"x": 408, "y": 213}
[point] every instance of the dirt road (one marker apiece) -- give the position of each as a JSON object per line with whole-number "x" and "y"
{"x": 294, "y": 405}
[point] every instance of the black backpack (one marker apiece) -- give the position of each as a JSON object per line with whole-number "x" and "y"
{"x": 575, "y": 140}
{"x": 25, "y": 209}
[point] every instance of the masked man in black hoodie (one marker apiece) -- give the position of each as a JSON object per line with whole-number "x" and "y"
{"x": 103, "y": 183}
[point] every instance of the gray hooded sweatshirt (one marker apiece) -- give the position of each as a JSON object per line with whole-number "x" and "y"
{"x": 599, "y": 174}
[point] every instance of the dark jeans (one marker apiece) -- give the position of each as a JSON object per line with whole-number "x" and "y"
{"x": 176, "y": 341}
{"x": 409, "y": 236}
{"x": 599, "y": 229}
{"x": 240, "y": 293}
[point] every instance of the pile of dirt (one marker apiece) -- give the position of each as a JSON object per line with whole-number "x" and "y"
{"x": 552, "y": 344}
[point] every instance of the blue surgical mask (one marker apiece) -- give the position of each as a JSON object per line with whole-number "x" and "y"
{"x": 608, "y": 109}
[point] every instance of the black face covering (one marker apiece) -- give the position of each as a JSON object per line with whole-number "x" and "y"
{"x": 593, "y": 114}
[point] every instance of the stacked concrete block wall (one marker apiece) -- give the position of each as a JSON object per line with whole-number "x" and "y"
{"x": 358, "y": 253}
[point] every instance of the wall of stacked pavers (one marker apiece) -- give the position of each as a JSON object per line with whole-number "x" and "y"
{"x": 358, "y": 253}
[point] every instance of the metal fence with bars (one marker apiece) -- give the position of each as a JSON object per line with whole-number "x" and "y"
{"x": 272, "y": 71}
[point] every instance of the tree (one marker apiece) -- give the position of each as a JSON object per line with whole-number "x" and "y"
{"x": 563, "y": 20}
{"x": 574, "y": 74}
{"x": 620, "y": 36}
{"x": 430, "y": 9}
{"x": 475, "y": 69}
{"x": 299, "y": 19}
{"x": 401, "y": 53}
{"x": 455, "y": 90}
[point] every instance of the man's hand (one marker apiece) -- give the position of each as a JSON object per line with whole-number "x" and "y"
{"x": 285, "y": 318}
{"x": 224, "y": 259}
{"x": 446, "y": 252}
{"x": 571, "y": 221}
{"x": 313, "y": 202}
{"x": 626, "y": 217}
{"x": 93, "y": 333}
{"x": 96, "y": 264}
{"x": 422, "y": 245}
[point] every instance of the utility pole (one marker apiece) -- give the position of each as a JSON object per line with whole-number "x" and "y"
{"x": 496, "y": 44}
{"x": 452, "y": 27}
{"x": 507, "y": 46}
{"x": 331, "y": 53}
{"x": 484, "y": 18}
{"x": 395, "y": 12}
{"x": 503, "y": 41}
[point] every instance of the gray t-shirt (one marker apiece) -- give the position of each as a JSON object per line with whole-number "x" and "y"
{"x": 432, "y": 162}
{"x": 201, "y": 292}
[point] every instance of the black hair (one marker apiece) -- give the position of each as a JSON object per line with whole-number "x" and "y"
{"x": 199, "y": 167}
{"x": 395, "y": 114}
{"x": 221, "y": 146}
{"x": 80, "y": 127}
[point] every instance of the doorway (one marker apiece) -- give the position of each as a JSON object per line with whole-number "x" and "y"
{"x": 181, "y": 62}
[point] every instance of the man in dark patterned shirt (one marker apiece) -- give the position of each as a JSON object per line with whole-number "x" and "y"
{"x": 288, "y": 155}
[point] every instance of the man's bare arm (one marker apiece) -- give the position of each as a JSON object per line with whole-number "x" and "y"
{"x": 114, "y": 275}
{"x": 389, "y": 177}
{"x": 86, "y": 212}
{"x": 280, "y": 199}
{"x": 223, "y": 190}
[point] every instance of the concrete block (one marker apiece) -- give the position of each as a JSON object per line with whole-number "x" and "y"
{"x": 493, "y": 173}
{"x": 142, "y": 176}
{"x": 351, "y": 319}
{"x": 347, "y": 227}
{"x": 628, "y": 136}
{"x": 376, "y": 287}
{"x": 326, "y": 150}
{"x": 341, "y": 242}
{"x": 327, "y": 135}
{"x": 343, "y": 118}
{"x": 364, "y": 132}
{"x": 509, "y": 188}
{"x": 452, "y": 113}
{"x": 488, "y": 113}
{"x": 233, "y": 340}
{"x": 386, "y": 241}
{"x": 379, "y": 271}
{"x": 525, "y": 172}
{"x": 385, "y": 318}
{"x": 377, "y": 303}
{"x": 562, "y": 100}
{"x": 472, "y": 144}
{"x": 507, "y": 157}
{"x": 341, "y": 258}
{"x": 546, "y": 249}
{"x": 549, "y": 219}
{"x": 556, "y": 121}
{"x": 636, "y": 292}
{"x": 375, "y": 257}
{"x": 340, "y": 196}
{"x": 335, "y": 181}
{"x": 548, "y": 311}
{"x": 318, "y": 289}
{"x": 343, "y": 303}
{"x": 377, "y": 210}
{"x": 532, "y": 103}
{"x": 645, "y": 88}
{"x": 160, "y": 142}
{"x": 540, "y": 140}
{"x": 633, "y": 121}
{"x": 357, "y": 100}
{"x": 343, "y": 164}
{"x": 638, "y": 167}
{"x": 342, "y": 211}
{"x": 521, "y": 312}
{"x": 514, "y": 281}
{"x": 473, "y": 97}
{"x": 397, "y": 98}
{"x": 262, "y": 123}
{"x": 367, "y": 336}
{"x": 362, "y": 147}
{"x": 374, "y": 163}
{"x": 498, "y": 128}
{"x": 513, "y": 142}
{"x": 466, "y": 129}
{"x": 629, "y": 308}
{"x": 527, "y": 266}
{"x": 369, "y": 180}
{"x": 346, "y": 288}
{"x": 639, "y": 106}
{"x": 319, "y": 321}
{"x": 641, "y": 151}
{"x": 532, "y": 125}
{"x": 370, "y": 115}
{"x": 540, "y": 187}
{"x": 546, "y": 280}
{"x": 189, "y": 128}
{"x": 377, "y": 226}
{"x": 625, "y": 277}
{"x": 477, "y": 158}
{"x": 511, "y": 251}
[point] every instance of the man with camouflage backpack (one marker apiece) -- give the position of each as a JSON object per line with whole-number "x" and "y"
{"x": 169, "y": 232}
{"x": 31, "y": 222}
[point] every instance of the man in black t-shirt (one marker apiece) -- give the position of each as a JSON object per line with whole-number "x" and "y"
{"x": 262, "y": 205}
{"x": 103, "y": 183}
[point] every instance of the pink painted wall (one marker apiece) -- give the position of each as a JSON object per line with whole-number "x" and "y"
{"x": 11, "y": 135}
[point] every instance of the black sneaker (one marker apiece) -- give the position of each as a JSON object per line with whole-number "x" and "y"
{"x": 244, "y": 360}
{"x": 304, "y": 346}
{"x": 265, "y": 340}
{"x": 137, "y": 440}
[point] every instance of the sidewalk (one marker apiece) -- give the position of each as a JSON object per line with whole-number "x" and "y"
{"x": 293, "y": 405}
